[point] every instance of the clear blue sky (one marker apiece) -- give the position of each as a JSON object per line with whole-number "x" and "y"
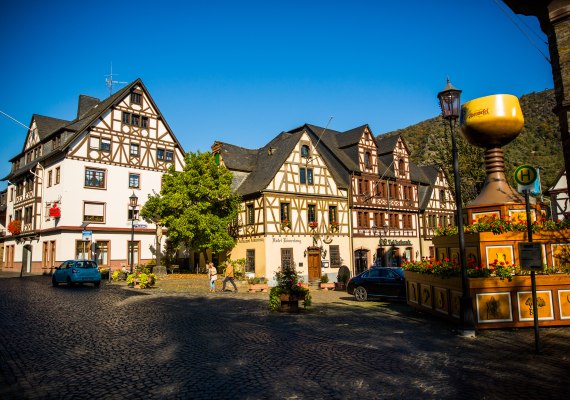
{"x": 243, "y": 71}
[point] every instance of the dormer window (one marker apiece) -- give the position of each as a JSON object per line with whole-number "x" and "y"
{"x": 401, "y": 167}
{"x": 305, "y": 151}
{"x": 135, "y": 98}
{"x": 367, "y": 160}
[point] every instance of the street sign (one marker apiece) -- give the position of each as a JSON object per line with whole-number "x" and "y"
{"x": 525, "y": 175}
{"x": 530, "y": 256}
{"x": 86, "y": 236}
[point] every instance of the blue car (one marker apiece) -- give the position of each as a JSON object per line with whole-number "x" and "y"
{"x": 385, "y": 282}
{"x": 77, "y": 271}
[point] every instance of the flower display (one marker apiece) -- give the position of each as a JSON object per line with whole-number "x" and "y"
{"x": 502, "y": 225}
{"x": 313, "y": 224}
{"x": 285, "y": 223}
{"x": 15, "y": 227}
{"x": 288, "y": 282}
{"x": 447, "y": 268}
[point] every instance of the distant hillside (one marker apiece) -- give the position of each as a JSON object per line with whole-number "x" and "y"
{"x": 538, "y": 144}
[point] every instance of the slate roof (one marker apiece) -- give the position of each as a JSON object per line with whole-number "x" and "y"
{"x": 89, "y": 109}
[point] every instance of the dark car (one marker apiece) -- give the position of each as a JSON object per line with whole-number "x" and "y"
{"x": 77, "y": 271}
{"x": 378, "y": 282}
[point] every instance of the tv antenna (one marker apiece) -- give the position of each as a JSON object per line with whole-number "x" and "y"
{"x": 109, "y": 82}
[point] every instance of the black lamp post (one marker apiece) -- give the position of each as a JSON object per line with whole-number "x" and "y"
{"x": 133, "y": 199}
{"x": 383, "y": 228}
{"x": 449, "y": 100}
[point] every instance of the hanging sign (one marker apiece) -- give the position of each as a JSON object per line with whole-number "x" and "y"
{"x": 55, "y": 211}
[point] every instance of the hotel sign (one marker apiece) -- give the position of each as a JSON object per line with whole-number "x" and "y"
{"x": 386, "y": 242}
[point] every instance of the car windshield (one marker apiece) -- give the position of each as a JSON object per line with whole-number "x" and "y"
{"x": 85, "y": 264}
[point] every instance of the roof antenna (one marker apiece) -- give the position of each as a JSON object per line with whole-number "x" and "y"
{"x": 109, "y": 82}
{"x": 310, "y": 159}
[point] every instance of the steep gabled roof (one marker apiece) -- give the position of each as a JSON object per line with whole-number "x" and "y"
{"x": 47, "y": 125}
{"x": 386, "y": 143}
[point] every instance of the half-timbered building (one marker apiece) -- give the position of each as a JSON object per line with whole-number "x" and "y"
{"x": 294, "y": 209}
{"x": 70, "y": 185}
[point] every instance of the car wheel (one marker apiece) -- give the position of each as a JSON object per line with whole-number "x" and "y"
{"x": 53, "y": 281}
{"x": 360, "y": 294}
{"x": 97, "y": 284}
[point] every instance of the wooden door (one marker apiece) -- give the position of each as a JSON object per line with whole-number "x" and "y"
{"x": 314, "y": 260}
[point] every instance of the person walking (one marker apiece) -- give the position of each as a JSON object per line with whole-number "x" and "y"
{"x": 212, "y": 276}
{"x": 229, "y": 276}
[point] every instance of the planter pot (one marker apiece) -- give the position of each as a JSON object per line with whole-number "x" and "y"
{"x": 290, "y": 302}
{"x": 258, "y": 287}
{"x": 340, "y": 286}
{"x": 327, "y": 285}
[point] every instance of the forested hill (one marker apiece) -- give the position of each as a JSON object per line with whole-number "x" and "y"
{"x": 539, "y": 145}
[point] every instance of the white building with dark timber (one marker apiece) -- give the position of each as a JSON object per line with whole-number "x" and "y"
{"x": 70, "y": 185}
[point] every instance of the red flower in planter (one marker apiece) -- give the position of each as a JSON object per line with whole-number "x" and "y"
{"x": 15, "y": 227}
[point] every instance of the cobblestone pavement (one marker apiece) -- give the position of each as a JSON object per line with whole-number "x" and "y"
{"x": 178, "y": 341}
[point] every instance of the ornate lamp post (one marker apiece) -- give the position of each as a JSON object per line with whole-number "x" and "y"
{"x": 383, "y": 228}
{"x": 449, "y": 100}
{"x": 133, "y": 200}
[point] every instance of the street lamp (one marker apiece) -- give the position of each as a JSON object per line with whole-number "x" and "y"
{"x": 450, "y": 108}
{"x": 133, "y": 199}
{"x": 384, "y": 229}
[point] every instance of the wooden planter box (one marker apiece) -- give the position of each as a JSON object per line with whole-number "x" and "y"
{"x": 496, "y": 303}
{"x": 327, "y": 285}
{"x": 258, "y": 287}
{"x": 290, "y": 302}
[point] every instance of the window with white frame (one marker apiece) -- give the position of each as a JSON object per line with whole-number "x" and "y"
{"x": 94, "y": 212}
{"x": 134, "y": 150}
{"x": 134, "y": 181}
{"x": 95, "y": 178}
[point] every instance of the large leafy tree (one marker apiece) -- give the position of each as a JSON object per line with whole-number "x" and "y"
{"x": 196, "y": 205}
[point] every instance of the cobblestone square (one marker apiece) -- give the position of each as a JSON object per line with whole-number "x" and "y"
{"x": 177, "y": 341}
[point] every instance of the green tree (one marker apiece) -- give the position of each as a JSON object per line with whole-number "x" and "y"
{"x": 196, "y": 205}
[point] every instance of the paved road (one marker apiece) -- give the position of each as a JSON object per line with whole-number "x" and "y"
{"x": 118, "y": 343}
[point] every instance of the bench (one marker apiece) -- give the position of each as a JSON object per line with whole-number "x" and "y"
{"x": 174, "y": 269}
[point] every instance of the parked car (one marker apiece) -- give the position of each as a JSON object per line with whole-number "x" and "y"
{"x": 378, "y": 282}
{"x": 77, "y": 271}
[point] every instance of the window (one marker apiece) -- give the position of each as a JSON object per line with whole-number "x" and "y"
{"x": 134, "y": 181}
{"x": 94, "y": 212}
{"x": 144, "y": 122}
{"x": 310, "y": 176}
{"x": 133, "y": 215}
{"x": 333, "y": 215}
{"x": 393, "y": 221}
{"x": 105, "y": 145}
{"x": 136, "y": 98}
{"x": 82, "y": 250}
{"x": 286, "y": 258}
{"x": 334, "y": 251}
{"x": 305, "y": 151}
{"x": 28, "y": 212}
{"x": 368, "y": 160}
{"x": 11, "y": 194}
{"x": 134, "y": 150}
{"x": 401, "y": 167}
{"x": 250, "y": 214}
{"x": 160, "y": 154}
{"x": 133, "y": 249}
{"x": 126, "y": 118}
{"x": 285, "y": 208}
{"x": 250, "y": 260}
{"x": 94, "y": 178}
{"x": 169, "y": 155}
{"x": 311, "y": 213}
{"x": 442, "y": 195}
{"x": 102, "y": 252}
{"x": 303, "y": 175}
{"x": 407, "y": 221}
{"x": 57, "y": 175}
{"x": 49, "y": 180}
{"x": 135, "y": 119}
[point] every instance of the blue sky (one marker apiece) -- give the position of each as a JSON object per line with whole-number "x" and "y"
{"x": 243, "y": 71}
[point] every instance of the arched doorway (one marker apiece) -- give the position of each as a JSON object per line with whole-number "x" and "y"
{"x": 360, "y": 261}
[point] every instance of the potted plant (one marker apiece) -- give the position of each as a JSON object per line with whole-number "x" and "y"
{"x": 15, "y": 227}
{"x": 325, "y": 284}
{"x": 285, "y": 296}
{"x": 334, "y": 226}
{"x": 285, "y": 224}
{"x": 257, "y": 284}
{"x": 313, "y": 225}
{"x": 342, "y": 278}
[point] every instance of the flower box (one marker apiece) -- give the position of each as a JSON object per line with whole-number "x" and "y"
{"x": 327, "y": 285}
{"x": 290, "y": 302}
{"x": 258, "y": 287}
